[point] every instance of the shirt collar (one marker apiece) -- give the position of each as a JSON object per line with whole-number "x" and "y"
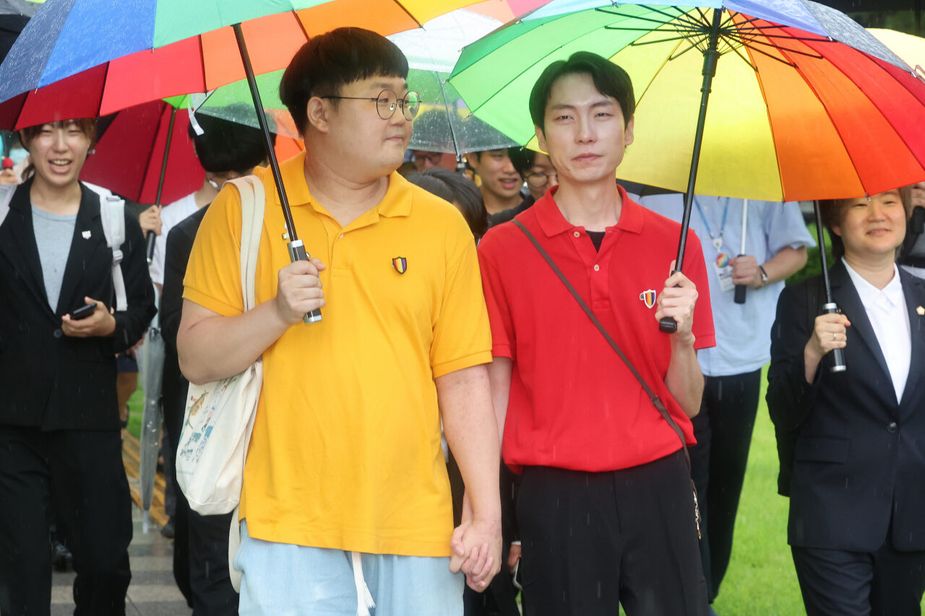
{"x": 553, "y": 222}
{"x": 870, "y": 295}
{"x": 395, "y": 202}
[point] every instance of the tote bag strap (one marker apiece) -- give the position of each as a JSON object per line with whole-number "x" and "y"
{"x": 253, "y": 203}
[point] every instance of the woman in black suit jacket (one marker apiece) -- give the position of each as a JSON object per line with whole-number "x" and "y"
{"x": 60, "y": 446}
{"x": 852, "y": 444}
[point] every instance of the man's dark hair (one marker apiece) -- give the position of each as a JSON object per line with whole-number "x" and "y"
{"x": 609, "y": 79}
{"x": 228, "y": 146}
{"x": 521, "y": 157}
{"x": 332, "y": 60}
{"x": 458, "y": 190}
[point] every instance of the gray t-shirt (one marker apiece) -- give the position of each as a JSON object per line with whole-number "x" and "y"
{"x": 53, "y": 236}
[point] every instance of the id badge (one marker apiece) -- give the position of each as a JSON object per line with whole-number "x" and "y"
{"x": 724, "y": 272}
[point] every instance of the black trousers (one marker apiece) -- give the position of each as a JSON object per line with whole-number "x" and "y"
{"x": 724, "y": 435}
{"x": 592, "y": 541}
{"x": 841, "y": 583}
{"x": 90, "y": 500}
{"x": 200, "y": 549}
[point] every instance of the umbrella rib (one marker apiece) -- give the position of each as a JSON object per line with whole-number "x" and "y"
{"x": 681, "y": 37}
{"x": 681, "y": 16}
{"x": 765, "y": 53}
{"x": 693, "y": 45}
{"x": 629, "y": 29}
{"x": 735, "y": 49}
{"x": 401, "y": 5}
{"x": 756, "y": 41}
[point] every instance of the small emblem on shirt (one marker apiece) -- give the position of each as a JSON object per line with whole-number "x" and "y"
{"x": 85, "y": 234}
{"x": 400, "y": 264}
{"x": 920, "y": 311}
{"x": 647, "y": 297}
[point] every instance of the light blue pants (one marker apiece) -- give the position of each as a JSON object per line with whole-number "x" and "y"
{"x": 280, "y": 579}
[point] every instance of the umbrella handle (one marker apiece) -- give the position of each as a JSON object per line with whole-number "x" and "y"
{"x": 149, "y": 249}
{"x": 667, "y": 325}
{"x": 741, "y": 291}
{"x": 838, "y": 355}
{"x": 297, "y": 253}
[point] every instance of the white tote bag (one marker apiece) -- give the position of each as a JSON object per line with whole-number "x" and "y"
{"x": 220, "y": 415}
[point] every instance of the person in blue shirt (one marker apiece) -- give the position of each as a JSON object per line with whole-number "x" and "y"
{"x": 775, "y": 247}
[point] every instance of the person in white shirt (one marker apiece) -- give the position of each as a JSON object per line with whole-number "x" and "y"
{"x": 852, "y": 441}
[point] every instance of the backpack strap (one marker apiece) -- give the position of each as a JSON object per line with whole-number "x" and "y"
{"x": 112, "y": 215}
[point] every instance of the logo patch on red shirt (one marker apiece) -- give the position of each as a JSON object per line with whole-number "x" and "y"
{"x": 647, "y": 297}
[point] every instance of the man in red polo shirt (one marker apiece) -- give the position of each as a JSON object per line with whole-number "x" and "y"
{"x": 605, "y": 509}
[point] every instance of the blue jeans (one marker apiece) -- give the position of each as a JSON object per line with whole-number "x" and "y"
{"x": 280, "y": 579}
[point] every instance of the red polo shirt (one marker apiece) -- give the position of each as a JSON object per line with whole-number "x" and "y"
{"x": 573, "y": 403}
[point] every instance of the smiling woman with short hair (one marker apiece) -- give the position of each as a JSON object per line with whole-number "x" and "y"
{"x": 852, "y": 458}
{"x": 60, "y": 443}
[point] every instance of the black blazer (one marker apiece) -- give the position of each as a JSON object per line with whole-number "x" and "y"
{"x": 179, "y": 246}
{"x": 49, "y": 380}
{"x": 857, "y": 453}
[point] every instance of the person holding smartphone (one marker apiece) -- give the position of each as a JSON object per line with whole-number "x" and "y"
{"x": 60, "y": 446}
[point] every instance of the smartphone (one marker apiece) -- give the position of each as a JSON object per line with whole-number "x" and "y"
{"x": 83, "y": 312}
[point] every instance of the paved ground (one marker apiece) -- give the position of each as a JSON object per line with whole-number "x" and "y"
{"x": 152, "y": 592}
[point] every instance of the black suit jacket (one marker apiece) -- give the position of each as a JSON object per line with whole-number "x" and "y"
{"x": 858, "y": 454}
{"x": 179, "y": 246}
{"x": 47, "y": 379}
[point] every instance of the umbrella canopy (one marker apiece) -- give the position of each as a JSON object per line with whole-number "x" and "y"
{"x": 805, "y": 104}
{"x": 90, "y": 58}
{"x": 444, "y": 123}
{"x": 909, "y": 47}
{"x": 130, "y": 154}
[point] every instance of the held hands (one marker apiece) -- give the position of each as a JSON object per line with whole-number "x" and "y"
{"x": 150, "y": 220}
{"x": 745, "y": 272}
{"x": 299, "y": 290}
{"x": 677, "y": 300}
{"x": 100, "y": 323}
{"x": 513, "y": 555}
{"x": 476, "y": 545}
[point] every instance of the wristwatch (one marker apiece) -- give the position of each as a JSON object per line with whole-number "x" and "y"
{"x": 764, "y": 276}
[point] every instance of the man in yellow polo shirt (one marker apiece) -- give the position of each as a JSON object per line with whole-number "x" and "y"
{"x": 346, "y": 502}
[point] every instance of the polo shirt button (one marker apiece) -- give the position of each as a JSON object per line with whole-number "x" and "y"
{"x": 341, "y": 236}
{"x": 597, "y": 268}
{"x": 892, "y": 427}
{"x": 57, "y": 333}
{"x": 577, "y": 234}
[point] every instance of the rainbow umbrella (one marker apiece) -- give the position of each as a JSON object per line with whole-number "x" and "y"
{"x": 91, "y": 57}
{"x": 778, "y": 100}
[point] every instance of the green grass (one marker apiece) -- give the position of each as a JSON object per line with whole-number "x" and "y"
{"x": 761, "y": 579}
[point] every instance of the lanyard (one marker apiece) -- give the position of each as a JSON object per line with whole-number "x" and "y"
{"x": 706, "y": 223}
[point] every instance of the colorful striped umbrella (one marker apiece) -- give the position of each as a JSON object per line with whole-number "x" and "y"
{"x": 103, "y": 56}
{"x": 793, "y": 115}
{"x": 90, "y": 57}
{"x": 775, "y": 99}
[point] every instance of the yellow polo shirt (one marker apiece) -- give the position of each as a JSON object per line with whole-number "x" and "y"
{"x": 346, "y": 449}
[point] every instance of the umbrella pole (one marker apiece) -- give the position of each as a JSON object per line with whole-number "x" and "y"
{"x": 838, "y": 355}
{"x": 741, "y": 290}
{"x": 460, "y": 166}
{"x": 710, "y": 59}
{"x": 297, "y": 250}
{"x": 160, "y": 180}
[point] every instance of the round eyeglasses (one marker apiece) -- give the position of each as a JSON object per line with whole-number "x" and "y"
{"x": 387, "y": 102}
